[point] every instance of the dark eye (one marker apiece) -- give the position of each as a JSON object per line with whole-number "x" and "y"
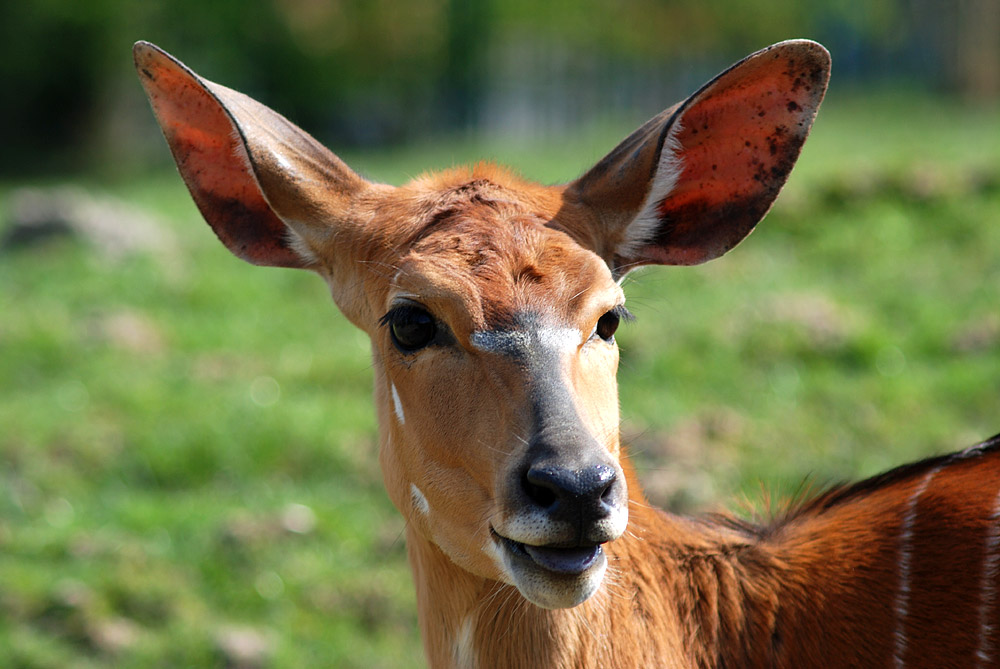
{"x": 607, "y": 325}
{"x": 410, "y": 328}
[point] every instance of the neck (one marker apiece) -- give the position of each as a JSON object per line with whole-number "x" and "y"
{"x": 715, "y": 592}
{"x": 664, "y": 591}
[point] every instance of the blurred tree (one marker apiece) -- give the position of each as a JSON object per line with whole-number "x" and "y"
{"x": 963, "y": 37}
{"x": 363, "y": 72}
{"x": 977, "y": 61}
{"x": 468, "y": 25}
{"x": 52, "y": 63}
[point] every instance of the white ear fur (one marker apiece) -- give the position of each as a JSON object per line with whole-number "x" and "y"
{"x": 642, "y": 230}
{"x": 295, "y": 241}
{"x": 301, "y": 246}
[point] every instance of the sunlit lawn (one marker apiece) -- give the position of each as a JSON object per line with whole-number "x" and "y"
{"x": 187, "y": 443}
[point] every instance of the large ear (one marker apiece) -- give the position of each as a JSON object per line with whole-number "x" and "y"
{"x": 692, "y": 182}
{"x": 264, "y": 185}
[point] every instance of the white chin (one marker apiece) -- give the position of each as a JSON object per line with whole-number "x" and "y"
{"x": 553, "y": 590}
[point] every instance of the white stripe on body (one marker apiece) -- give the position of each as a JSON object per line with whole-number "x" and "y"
{"x": 905, "y": 562}
{"x": 986, "y": 653}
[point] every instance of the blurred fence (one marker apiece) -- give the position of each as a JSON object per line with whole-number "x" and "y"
{"x": 533, "y": 87}
{"x": 377, "y": 72}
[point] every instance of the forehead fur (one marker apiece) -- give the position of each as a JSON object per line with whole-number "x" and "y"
{"x": 497, "y": 245}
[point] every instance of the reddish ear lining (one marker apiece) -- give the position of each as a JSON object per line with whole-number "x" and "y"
{"x": 740, "y": 138}
{"x": 211, "y": 157}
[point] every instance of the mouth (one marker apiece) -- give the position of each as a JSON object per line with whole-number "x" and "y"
{"x": 569, "y": 560}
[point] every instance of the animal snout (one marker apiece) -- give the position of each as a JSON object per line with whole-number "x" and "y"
{"x": 580, "y": 497}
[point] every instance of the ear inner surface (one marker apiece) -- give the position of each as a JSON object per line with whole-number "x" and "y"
{"x": 210, "y": 157}
{"x": 738, "y": 141}
{"x": 693, "y": 181}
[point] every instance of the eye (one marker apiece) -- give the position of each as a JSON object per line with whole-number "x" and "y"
{"x": 411, "y": 328}
{"x": 607, "y": 324}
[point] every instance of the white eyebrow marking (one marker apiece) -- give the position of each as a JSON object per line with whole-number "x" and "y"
{"x": 905, "y": 560}
{"x": 397, "y": 405}
{"x": 988, "y": 588}
{"x": 560, "y": 338}
{"x": 499, "y": 341}
{"x": 518, "y": 342}
{"x": 419, "y": 500}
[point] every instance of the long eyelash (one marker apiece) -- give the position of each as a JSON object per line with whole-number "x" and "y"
{"x": 394, "y": 313}
{"x": 385, "y": 320}
{"x": 623, "y": 314}
{"x": 399, "y": 309}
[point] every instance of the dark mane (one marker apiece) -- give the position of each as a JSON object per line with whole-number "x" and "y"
{"x": 810, "y": 501}
{"x": 846, "y": 493}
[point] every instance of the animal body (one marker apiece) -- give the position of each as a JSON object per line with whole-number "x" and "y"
{"x": 492, "y": 304}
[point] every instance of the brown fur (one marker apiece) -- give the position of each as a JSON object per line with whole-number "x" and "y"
{"x": 814, "y": 589}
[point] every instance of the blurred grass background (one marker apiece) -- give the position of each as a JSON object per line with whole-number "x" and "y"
{"x": 188, "y": 467}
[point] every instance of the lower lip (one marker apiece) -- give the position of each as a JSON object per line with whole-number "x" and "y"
{"x": 571, "y": 561}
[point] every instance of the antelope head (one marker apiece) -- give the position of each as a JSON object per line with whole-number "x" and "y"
{"x": 492, "y": 302}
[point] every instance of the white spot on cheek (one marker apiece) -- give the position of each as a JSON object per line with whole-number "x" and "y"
{"x": 397, "y": 405}
{"x": 419, "y": 501}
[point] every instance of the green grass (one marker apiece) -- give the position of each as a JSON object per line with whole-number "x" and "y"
{"x": 188, "y": 448}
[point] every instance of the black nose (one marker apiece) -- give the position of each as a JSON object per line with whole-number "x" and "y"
{"x": 579, "y": 496}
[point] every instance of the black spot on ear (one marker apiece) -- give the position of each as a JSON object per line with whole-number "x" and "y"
{"x": 253, "y": 234}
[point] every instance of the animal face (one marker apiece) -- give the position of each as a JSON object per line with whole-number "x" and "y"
{"x": 497, "y": 382}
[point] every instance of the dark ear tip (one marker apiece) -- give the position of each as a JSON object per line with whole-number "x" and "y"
{"x": 802, "y": 46}
{"x": 806, "y": 49}
{"x": 148, "y": 57}
{"x": 143, "y": 51}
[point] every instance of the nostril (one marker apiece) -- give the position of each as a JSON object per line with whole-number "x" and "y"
{"x": 540, "y": 488}
{"x": 608, "y": 494}
{"x": 541, "y": 496}
{"x": 598, "y": 482}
